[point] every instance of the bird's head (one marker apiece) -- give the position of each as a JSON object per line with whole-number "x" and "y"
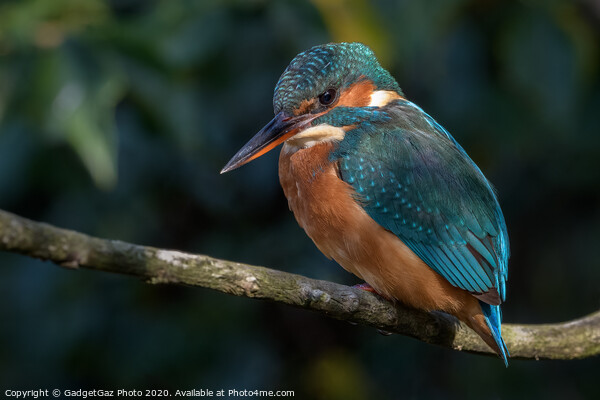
{"x": 324, "y": 92}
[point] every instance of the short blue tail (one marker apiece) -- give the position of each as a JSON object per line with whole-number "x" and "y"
{"x": 493, "y": 318}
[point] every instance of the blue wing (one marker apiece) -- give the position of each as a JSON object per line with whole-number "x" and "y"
{"x": 416, "y": 181}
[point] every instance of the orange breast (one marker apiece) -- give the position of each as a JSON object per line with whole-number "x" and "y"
{"x": 327, "y": 209}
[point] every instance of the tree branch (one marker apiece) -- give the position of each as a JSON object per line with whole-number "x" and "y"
{"x": 568, "y": 340}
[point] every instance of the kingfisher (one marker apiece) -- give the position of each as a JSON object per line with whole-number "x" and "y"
{"x": 384, "y": 190}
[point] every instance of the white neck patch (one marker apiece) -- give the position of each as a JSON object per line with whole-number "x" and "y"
{"x": 314, "y": 135}
{"x": 380, "y": 98}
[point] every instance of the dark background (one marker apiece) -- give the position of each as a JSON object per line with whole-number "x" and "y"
{"x": 116, "y": 118}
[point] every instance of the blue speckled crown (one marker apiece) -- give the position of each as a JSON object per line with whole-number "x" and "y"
{"x": 330, "y": 65}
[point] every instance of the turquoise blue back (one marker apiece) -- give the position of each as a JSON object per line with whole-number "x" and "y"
{"x": 415, "y": 180}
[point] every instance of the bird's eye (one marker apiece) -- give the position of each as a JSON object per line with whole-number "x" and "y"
{"x": 328, "y": 97}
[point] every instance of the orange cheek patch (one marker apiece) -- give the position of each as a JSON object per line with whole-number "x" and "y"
{"x": 304, "y": 107}
{"x": 357, "y": 95}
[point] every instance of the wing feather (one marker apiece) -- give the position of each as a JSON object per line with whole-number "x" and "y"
{"x": 416, "y": 181}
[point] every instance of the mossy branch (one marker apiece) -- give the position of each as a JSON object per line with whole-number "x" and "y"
{"x": 568, "y": 340}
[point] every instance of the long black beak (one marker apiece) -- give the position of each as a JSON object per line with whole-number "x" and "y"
{"x": 281, "y": 128}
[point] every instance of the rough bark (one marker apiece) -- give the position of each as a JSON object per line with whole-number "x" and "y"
{"x": 579, "y": 338}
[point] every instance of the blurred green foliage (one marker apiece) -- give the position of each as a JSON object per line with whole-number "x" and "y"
{"x": 116, "y": 117}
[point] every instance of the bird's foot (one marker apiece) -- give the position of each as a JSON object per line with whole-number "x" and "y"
{"x": 368, "y": 288}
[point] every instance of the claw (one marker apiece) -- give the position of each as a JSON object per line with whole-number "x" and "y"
{"x": 366, "y": 287}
